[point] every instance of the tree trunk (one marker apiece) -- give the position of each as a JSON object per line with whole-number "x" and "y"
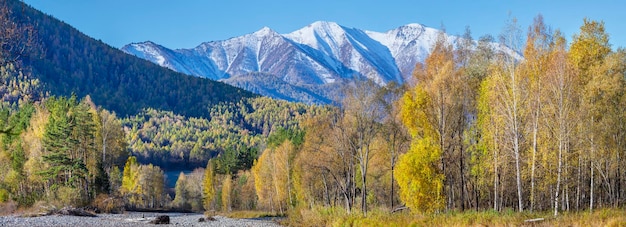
{"x": 558, "y": 178}
{"x": 392, "y": 177}
{"x": 462, "y": 180}
{"x": 495, "y": 175}
{"x": 578, "y": 183}
{"x": 327, "y": 195}
{"x": 364, "y": 192}
{"x": 532, "y": 168}
{"x": 518, "y": 175}
{"x": 591, "y": 187}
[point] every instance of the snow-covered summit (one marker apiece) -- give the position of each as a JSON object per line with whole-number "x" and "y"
{"x": 313, "y": 61}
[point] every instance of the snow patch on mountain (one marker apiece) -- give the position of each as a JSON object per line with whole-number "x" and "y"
{"x": 320, "y": 56}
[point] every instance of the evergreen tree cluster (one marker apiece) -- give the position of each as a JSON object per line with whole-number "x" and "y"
{"x": 51, "y": 152}
{"x": 67, "y": 62}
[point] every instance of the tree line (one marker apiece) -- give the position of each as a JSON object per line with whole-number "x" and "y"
{"x": 478, "y": 129}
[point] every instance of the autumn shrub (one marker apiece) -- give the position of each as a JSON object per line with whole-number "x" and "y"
{"x": 109, "y": 204}
{"x": 68, "y": 196}
{"x": 4, "y": 195}
{"x": 250, "y": 214}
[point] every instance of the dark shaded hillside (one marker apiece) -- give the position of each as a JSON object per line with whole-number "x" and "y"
{"x": 72, "y": 62}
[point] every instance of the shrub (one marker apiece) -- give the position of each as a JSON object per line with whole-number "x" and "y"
{"x": 4, "y": 195}
{"x": 109, "y": 204}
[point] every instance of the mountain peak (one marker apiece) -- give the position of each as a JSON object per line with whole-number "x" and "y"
{"x": 308, "y": 59}
{"x": 320, "y": 27}
{"x": 318, "y": 31}
{"x": 414, "y": 25}
{"x": 264, "y": 31}
{"x": 323, "y": 24}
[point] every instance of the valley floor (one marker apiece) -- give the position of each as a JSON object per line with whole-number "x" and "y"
{"x": 133, "y": 219}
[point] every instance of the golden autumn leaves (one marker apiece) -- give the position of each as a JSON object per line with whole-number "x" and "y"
{"x": 493, "y": 131}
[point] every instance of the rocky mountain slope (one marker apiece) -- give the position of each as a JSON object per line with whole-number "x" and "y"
{"x": 308, "y": 65}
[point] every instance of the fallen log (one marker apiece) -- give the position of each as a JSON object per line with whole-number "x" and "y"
{"x": 70, "y": 211}
{"x": 535, "y": 220}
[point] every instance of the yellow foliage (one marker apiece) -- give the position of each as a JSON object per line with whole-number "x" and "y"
{"x": 227, "y": 188}
{"x": 208, "y": 187}
{"x": 32, "y": 144}
{"x": 272, "y": 177}
{"x": 589, "y": 47}
{"x": 420, "y": 181}
{"x": 413, "y": 115}
{"x": 262, "y": 171}
{"x": 281, "y": 176}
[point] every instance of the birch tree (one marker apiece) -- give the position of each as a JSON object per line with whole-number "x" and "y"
{"x": 560, "y": 108}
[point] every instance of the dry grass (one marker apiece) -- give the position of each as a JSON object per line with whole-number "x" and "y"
{"x": 7, "y": 208}
{"x": 108, "y": 204}
{"x": 324, "y": 216}
{"x": 250, "y": 214}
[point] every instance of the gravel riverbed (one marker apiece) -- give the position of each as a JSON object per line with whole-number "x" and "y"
{"x": 134, "y": 219}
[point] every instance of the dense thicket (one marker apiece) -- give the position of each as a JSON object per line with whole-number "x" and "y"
{"x": 68, "y": 61}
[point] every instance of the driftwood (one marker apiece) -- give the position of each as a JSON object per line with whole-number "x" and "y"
{"x": 401, "y": 208}
{"x": 70, "y": 211}
{"x": 534, "y": 220}
{"x": 209, "y": 218}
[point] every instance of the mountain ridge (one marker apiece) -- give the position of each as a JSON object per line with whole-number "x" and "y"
{"x": 321, "y": 55}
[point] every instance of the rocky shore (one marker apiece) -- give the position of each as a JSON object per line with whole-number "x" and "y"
{"x": 134, "y": 219}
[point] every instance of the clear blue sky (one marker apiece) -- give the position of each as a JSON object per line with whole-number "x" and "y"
{"x": 187, "y": 23}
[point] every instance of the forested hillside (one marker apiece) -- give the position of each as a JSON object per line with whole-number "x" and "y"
{"x": 69, "y": 150}
{"x": 67, "y": 62}
{"x": 233, "y": 134}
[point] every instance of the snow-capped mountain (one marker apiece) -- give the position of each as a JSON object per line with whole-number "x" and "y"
{"x": 309, "y": 65}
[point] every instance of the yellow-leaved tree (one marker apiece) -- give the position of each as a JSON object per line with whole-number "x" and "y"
{"x": 263, "y": 181}
{"x": 208, "y": 187}
{"x": 227, "y": 188}
{"x": 419, "y": 178}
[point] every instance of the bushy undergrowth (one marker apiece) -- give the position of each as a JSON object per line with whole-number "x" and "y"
{"x": 250, "y": 214}
{"x": 108, "y": 204}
